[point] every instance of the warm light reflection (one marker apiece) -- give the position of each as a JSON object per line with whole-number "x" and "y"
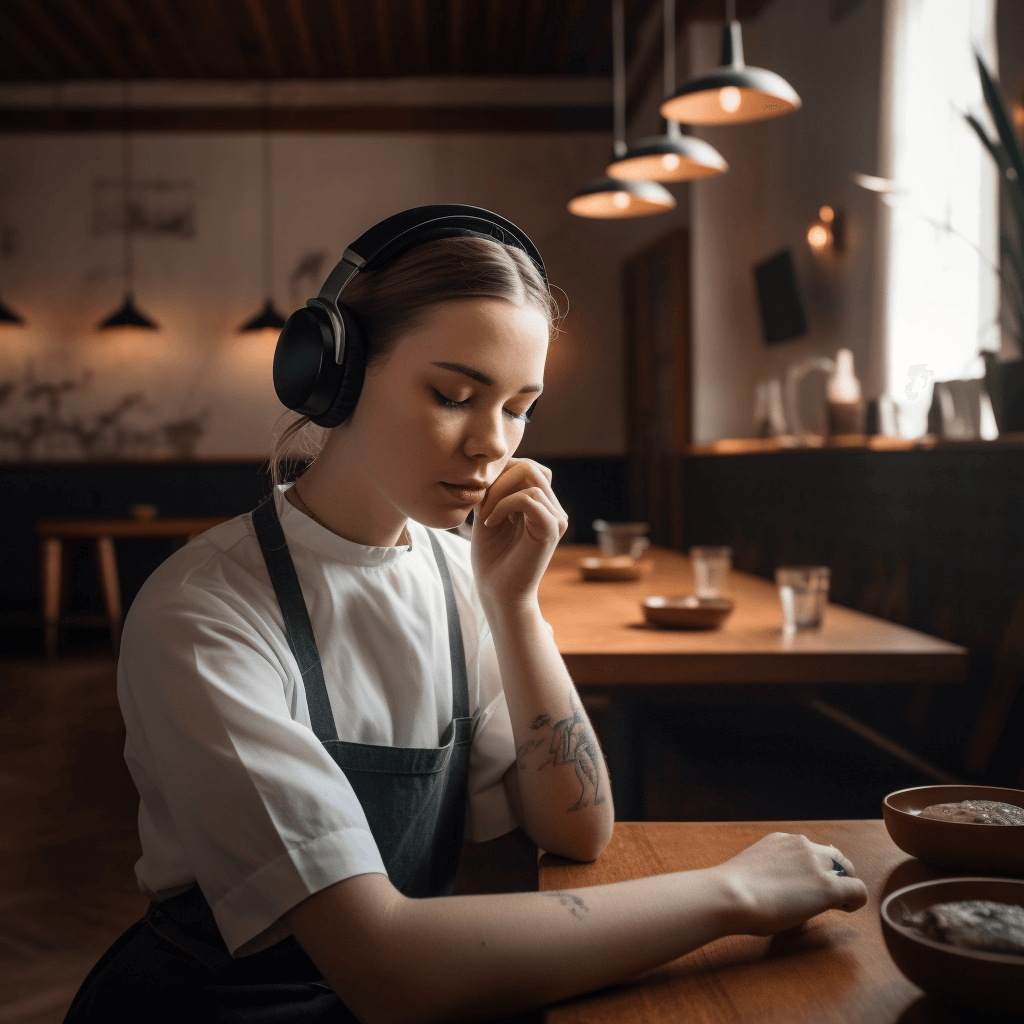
{"x": 817, "y": 236}
{"x": 826, "y": 214}
{"x": 1018, "y": 115}
{"x": 621, "y": 200}
{"x": 670, "y": 161}
{"x": 729, "y": 98}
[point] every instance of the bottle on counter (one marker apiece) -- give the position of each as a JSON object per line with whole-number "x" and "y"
{"x": 846, "y": 412}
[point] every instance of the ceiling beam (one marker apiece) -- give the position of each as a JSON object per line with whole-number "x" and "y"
{"x": 138, "y": 36}
{"x": 217, "y": 37}
{"x": 562, "y": 119}
{"x": 55, "y": 38}
{"x": 345, "y": 38}
{"x": 258, "y": 17}
{"x": 172, "y": 27}
{"x": 86, "y": 23}
{"x": 421, "y": 32}
{"x": 531, "y": 36}
{"x": 382, "y": 31}
{"x": 456, "y": 35}
{"x": 572, "y": 13}
{"x": 26, "y": 49}
{"x": 300, "y": 25}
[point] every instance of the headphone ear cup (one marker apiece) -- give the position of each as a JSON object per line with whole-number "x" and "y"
{"x": 353, "y": 371}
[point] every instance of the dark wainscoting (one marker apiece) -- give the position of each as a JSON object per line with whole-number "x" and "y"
{"x": 589, "y": 488}
{"x": 931, "y": 539}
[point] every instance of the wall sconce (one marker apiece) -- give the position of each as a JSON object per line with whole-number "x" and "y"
{"x": 827, "y": 232}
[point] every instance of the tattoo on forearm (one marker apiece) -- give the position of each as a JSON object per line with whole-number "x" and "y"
{"x": 573, "y": 903}
{"x": 568, "y": 741}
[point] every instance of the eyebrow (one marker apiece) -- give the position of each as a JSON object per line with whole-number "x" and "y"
{"x": 478, "y": 375}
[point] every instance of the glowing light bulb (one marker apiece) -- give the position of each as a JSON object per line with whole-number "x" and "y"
{"x": 670, "y": 161}
{"x": 817, "y": 236}
{"x": 729, "y": 98}
{"x": 621, "y": 200}
{"x": 1018, "y": 115}
{"x": 826, "y": 214}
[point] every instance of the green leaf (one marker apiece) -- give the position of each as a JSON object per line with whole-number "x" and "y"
{"x": 1002, "y": 121}
{"x": 1013, "y": 186}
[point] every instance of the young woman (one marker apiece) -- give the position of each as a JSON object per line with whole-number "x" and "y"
{"x": 318, "y": 697}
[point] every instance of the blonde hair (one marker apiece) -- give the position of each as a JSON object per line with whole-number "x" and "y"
{"x": 399, "y": 298}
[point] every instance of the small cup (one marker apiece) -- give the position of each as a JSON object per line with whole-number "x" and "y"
{"x": 711, "y": 566}
{"x": 803, "y": 591}
{"x": 621, "y": 538}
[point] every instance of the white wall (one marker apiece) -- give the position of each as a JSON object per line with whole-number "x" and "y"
{"x": 328, "y": 189}
{"x": 781, "y": 171}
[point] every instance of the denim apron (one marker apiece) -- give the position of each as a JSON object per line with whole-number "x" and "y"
{"x": 174, "y": 963}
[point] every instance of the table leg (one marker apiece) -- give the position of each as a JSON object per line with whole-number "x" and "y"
{"x": 624, "y": 752}
{"x": 106, "y": 564}
{"x": 50, "y": 565}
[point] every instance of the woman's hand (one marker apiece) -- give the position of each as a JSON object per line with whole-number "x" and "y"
{"x": 782, "y": 880}
{"x": 524, "y": 522}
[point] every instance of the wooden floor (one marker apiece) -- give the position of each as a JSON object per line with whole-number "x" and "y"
{"x": 69, "y": 840}
{"x": 69, "y": 843}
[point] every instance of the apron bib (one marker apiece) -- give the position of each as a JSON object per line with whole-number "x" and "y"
{"x": 174, "y": 962}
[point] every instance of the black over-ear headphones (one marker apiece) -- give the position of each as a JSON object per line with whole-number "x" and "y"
{"x": 320, "y": 358}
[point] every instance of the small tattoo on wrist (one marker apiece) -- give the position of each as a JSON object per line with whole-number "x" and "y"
{"x": 573, "y": 903}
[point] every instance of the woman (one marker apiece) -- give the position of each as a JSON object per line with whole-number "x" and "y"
{"x": 318, "y": 696}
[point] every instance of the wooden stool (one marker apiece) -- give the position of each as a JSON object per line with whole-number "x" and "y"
{"x": 53, "y": 571}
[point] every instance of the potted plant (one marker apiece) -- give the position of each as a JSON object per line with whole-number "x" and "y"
{"x": 1005, "y": 381}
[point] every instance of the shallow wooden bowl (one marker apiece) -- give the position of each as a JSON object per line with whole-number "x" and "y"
{"x": 955, "y": 845}
{"x": 614, "y": 568}
{"x": 687, "y": 612}
{"x": 992, "y": 982}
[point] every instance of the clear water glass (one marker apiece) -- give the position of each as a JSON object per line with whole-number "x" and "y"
{"x": 711, "y": 566}
{"x": 803, "y": 591}
{"x": 621, "y": 538}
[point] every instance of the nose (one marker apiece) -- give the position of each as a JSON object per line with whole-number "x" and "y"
{"x": 486, "y": 436}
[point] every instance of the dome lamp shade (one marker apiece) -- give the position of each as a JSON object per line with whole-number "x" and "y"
{"x": 732, "y": 93}
{"x": 267, "y": 318}
{"x": 669, "y": 157}
{"x": 128, "y": 316}
{"x": 8, "y": 316}
{"x": 617, "y": 198}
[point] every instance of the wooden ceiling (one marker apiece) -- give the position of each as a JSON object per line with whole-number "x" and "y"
{"x": 61, "y": 40}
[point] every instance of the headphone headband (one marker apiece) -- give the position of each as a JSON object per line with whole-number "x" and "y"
{"x": 315, "y": 369}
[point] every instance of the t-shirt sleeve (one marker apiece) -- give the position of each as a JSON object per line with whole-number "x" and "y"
{"x": 263, "y": 814}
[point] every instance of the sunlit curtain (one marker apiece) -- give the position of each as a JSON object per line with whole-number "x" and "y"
{"x": 941, "y": 294}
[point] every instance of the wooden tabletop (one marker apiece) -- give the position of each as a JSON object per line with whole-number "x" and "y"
{"x": 159, "y": 527}
{"x": 601, "y": 633}
{"x": 833, "y": 969}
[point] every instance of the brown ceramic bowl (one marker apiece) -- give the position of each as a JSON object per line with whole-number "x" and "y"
{"x": 993, "y": 982}
{"x": 687, "y": 612}
{"x": 955, "y": 845}
{"x": 613, "y": 568}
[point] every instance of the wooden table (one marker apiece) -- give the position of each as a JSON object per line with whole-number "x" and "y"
{"x": 610, "y": 651}
{"x": 833, "y": 969}
{"x": 53, "y": 532}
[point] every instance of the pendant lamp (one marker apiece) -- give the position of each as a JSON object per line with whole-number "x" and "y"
{"x": 670, "y": 156}
{"x": 128, "y": 315}
{"x": 732, "y": 93}
{"x": 614, "y": 198}
{"x": 8, "y": 316}
{"x": 267, "y": 318}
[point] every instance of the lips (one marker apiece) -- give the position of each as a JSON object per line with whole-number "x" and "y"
{"x": 471, "y": 492}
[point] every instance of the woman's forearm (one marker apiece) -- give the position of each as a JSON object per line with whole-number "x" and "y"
{"x": 475, "y": 957}
{"x": 563, "y": 782}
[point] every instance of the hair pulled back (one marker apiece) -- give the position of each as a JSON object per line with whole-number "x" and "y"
{"x": 399, "y": 299}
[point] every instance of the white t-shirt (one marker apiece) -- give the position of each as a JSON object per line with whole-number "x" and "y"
{"x": 236, "y": 791}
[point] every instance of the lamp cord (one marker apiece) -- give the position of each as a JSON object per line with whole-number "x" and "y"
{"x": 126, "y": 171}
{"x": 619, "y": 77}
{"x": 730, "y": 11}
{"x": 669, "y": 28}
{"x": 268, "y": 226}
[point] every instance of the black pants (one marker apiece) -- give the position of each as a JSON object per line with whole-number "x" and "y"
{"x": 173, "y": 966}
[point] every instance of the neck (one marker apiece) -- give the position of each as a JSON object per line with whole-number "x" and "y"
{"x": 344, "y": 497}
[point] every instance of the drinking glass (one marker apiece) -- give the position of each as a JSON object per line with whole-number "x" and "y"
{"x": 803, "y": 591}
{"x": 621, "y": 538}
{"x": 711, "y": 565}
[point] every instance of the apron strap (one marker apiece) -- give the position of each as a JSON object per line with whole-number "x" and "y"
{"x": 297, "y": 626}
{"x": 299, "y": 630}
{"x": 460, "y": 685}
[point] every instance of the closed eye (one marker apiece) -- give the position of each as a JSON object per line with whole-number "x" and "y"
{"x": 448, "y": 403}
